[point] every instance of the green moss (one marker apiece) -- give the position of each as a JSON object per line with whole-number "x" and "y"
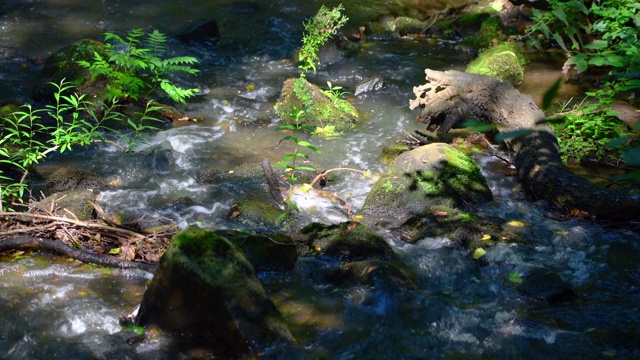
{"x": 505, "y": 62}
{"x": 490, "y": 30}
{"x": 298, "y": 94}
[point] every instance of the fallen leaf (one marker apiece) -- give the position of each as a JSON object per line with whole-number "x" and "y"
{"x": 480, "y": 252}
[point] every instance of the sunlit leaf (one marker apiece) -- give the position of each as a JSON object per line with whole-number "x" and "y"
{"x": 515, "y": 223}
{"x": 115, "y": 251}
{"x": 515, "y": 277}
{"x": 480, "y": 252}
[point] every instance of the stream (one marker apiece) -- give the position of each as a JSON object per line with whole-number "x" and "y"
{"x": 464, "y": 309}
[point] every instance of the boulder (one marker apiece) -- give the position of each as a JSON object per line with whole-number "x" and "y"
{"x": 273, "y": 252}
{"x": 63, "y": 65}
{"x": 299, "y": 94}
{"x": 76, "y": 202}
{"x": 347, "y": 241}
{"x": 71, "y": 178}
{"x": 207, "y": 294}
{"x": 425, "y": 178}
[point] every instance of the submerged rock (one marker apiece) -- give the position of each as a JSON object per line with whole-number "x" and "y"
{"x": 545, "y": 285}
{"x": 380, "y": 273}
{"x": 424, "y": 178}
{"x": 206, "y": 292}
{"x": 206, "y": 32}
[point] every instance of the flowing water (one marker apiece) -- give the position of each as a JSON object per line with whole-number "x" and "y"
{"x": 464, "y": 309}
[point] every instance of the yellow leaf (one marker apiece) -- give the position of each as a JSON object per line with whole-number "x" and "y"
{"x": 515, "y": 223}
{"x": 486, "y": 237}
{"x": 305, "y": 187}
{"x": 480, "y": 252}
{"x": 230, "y": 171}
{"x": 251, "y": 87}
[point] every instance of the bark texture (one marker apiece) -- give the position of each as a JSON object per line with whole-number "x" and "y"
{"x": 452, "y": 96}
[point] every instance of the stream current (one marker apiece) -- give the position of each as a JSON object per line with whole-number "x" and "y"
{"x": 52, "y": 308}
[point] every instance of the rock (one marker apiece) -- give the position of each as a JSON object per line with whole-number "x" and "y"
{"x": 206, "y": 32}
{"x": 347, "y": 241}
{"x": 369, "y": 85}
{"x": 545, "y": 285}
{"x": 63, "y": 64}
{"x": 274, "y": 252}
{"x": 256, "y": 214}
{"x": 298, "y": 93}
{"x": 425, "y": 178}
{"x": 379, "y": 273}
{"x": 160, "y": 158}
{"x": 242, "y": 7}
{"x": 70, "y": 178}
{"x": 505, "y": 62}
{"x": 206, "y": 293}
{"x": 76, "y": 202}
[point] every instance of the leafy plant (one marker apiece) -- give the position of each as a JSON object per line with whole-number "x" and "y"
{"x": 144, "y": 122}
{"x": 319, "y": 29}
{"x": 28, "y": 135}
{"x": 289, "y": 161}
{"x": 135, "y": 68}
{"x": 604, "y": 34}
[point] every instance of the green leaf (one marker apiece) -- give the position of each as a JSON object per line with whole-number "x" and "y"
{"x": 597, "y": 45}
{"x": 560, "y": 41}
{"x": 550, "y": 94}
{"x": 515, "y": 277}
{"x": 559, "y": 13}
{"x": 310, "y": 146}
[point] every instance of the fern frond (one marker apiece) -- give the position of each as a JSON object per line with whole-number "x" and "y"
{"x": 157, "y": 42}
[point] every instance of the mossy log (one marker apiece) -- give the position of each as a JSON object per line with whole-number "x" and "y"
{"x": 450, "y": 97}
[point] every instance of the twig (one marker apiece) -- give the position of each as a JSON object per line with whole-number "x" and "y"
{"x": 322, "y": 174}
{"x": 74, "y": 222}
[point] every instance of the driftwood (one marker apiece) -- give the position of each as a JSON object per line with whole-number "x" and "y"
{"x": 450, "y": 97}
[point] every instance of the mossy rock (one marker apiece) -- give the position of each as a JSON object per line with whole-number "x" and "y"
{"x": 76, "y": 202}
{"x": 63, "y": 64}
{"x": 206, "y": 292}
{"x": 347, "y": 241}
{"x": 298, "y": 94}
{"x": 274, "y": 252}
{"x": 505, "y": 62}
{"x": 424, "y": 178}
{"x": 71, "y": 178}
{"x": 254, "y": 214}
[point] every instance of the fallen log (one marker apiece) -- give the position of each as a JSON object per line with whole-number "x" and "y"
{"x": 31, "y": 242}
{"x": 450, "y": 97}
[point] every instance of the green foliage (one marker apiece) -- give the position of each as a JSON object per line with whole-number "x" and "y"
{"x": 135, "y": 68}
{"x": 604, "y": 34}
{"x": 29, "y": 134}
{"x": 289, "y": 161}
{"x": 319, "y": 29}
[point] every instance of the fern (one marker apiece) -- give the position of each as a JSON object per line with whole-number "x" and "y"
{"x": 157, "y": 42}
{"x": 134, "y": 70}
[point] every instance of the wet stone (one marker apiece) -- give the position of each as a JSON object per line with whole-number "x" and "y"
{"x": 545, "y": 285}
